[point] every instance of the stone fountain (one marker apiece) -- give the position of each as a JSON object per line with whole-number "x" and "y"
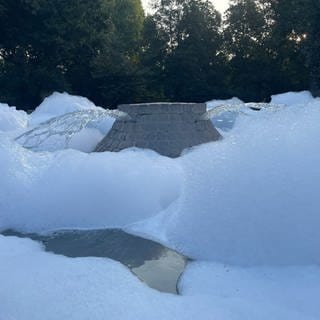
{"x": 167, "y": 128}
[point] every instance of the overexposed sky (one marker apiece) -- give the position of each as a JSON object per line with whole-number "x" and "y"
{"x": 220, "y": 5}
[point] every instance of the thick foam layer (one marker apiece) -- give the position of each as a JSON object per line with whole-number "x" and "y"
{"x": 249, "y": 199}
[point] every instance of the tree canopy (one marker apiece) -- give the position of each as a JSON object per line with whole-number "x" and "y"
{"x": 184, "y": 50}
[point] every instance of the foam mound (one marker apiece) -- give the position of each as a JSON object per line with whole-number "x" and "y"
{"x": 12, "y": 119}
{"x": 64, "y": 121}
{"x": 58, "y": 104}
{"x": 246, "y": 207}
{"x": 253, "y": 198}
{"x": 71, "y": 189}
{"x": 293, "y": 98}
{"x": 250, "y": 199}
{"x": 58, "y": 287}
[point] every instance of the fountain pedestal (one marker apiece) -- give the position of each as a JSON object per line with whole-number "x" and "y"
{"x": 167, "y": 128}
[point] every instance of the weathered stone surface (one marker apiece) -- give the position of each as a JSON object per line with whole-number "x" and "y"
{"x": 167, "y": 128}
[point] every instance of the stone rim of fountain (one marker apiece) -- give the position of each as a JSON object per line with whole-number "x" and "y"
{"x": 167, "y": 128}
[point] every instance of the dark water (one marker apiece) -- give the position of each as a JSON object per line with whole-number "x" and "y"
{"x": 157, "y": 266}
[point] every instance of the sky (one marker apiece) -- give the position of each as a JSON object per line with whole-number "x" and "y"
{"x": 220, "y": 5}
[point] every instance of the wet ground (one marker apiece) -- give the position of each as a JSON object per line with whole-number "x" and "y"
{"x": 154, "y": 264}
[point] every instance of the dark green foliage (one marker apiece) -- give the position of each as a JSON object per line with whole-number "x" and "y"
{"x": 110, "y": 52}
{"x": 116, "y": 75}
{"x": 193, "y": 67}
{"x": 298, "y": 26}
{"x": 193, "y": 56}
{"x": 260, "y": 62}
{"x": 153, "y": 56}
{"x": 189, "y": 39}
{"x": 71, "y": 45}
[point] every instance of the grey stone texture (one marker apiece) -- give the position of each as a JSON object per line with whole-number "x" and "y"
{"x": 167, "y": 128}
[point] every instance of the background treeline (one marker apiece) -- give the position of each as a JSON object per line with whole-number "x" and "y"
{"x": 111, "y": 52}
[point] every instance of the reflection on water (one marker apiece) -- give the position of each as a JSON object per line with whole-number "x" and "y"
{"x": 159, "y": 267}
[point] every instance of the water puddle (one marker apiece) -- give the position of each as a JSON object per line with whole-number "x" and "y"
{"x": 154, "y": 264}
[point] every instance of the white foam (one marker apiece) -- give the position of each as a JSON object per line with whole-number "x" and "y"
{"x": 226, "y": 120}
{"x": 64, "y": 121}
{"x": 41, "y": 191}
{"x": 218, "y": 102}
{"x": 58, "y": 104}
{"x": 253, "y": 198}
{"x": 293, "y": 98}
{"x": 12, "y": 119}
{"x": 39, "y": 285}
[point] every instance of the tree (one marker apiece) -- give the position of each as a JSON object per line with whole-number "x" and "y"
{"x": 153, "y": 57}
{"x": 247, "y": 31}
{"x": 73, "y": 45}
{"x": 190, "y": 42}
{"x": 116, "y": 73}
{"x": 297, "y": 24}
